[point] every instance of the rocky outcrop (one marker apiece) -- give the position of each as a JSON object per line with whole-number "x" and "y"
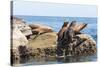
{"x": 42, "y": 46}
{"x": 88, "y": 46}
{"x": 20, "y": 32}
{"x": 44, "y": 40}
{"x": 19, "y": 38}
{"x": 22, "y": 26}
{"x": 23, "y": 48}
{"x": 21, "y": 55}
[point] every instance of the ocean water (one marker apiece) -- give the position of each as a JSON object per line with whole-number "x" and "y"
{"x": 56, "y": 23}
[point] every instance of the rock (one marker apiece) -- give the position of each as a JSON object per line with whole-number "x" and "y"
{"x": 21, "y": 55}
{"x": 24, "y": 53}
{"x": 20, "y": 32}
{"x": 22, "y": 26}
{"x": 39, "y": 28}
{"x": 87, "y": 37}
{"x": 44, "y": 45}
{"x": 88, "y": 46}
{"x": 44, "y": 40}
{"x": 18, "y": 38}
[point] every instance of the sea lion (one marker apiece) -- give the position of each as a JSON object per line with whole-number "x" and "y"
{"x": 62, "y": 30}
{"x": 40, "y": 28}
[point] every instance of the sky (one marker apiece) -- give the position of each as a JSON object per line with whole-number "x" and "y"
{"x": 53, "y": 9}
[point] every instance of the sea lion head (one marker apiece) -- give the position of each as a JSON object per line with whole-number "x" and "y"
{"x": 65, "y": 24}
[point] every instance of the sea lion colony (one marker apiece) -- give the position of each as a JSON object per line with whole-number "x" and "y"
{"x": 70, "y": 41}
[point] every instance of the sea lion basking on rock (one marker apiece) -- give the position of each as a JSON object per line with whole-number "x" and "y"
{"x": 38, "y": 29}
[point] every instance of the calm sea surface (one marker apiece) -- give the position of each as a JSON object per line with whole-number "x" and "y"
{"x": 56, "y": 23}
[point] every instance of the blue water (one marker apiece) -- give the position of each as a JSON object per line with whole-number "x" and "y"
{"x": 57, "y": 22}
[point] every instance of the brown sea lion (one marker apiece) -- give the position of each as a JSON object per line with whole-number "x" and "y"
{"x": 62, "y": 30}
{"x": 40, "y": 28}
